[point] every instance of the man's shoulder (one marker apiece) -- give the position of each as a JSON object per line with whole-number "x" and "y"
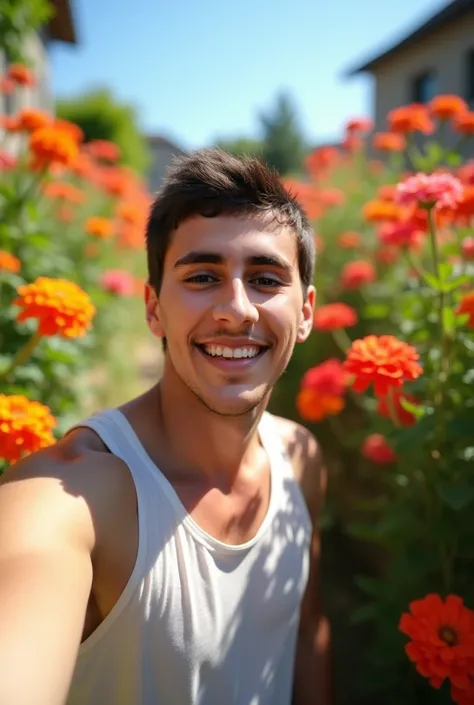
{"x": 306, "y": 459}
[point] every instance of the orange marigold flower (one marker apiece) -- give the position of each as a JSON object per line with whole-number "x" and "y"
{"x": 389, "y": 142}
{"x": 464, "y": 123}
{"x": 25, "y": 427}
{"x": 349, "y": 240}
{"x": 48, "y": 145}
{"x": 467, "y": 247}
{"x": 466, "y": 305}
{"x": 442, "y": 639}
{"x": 334, "y": 316}
{"x": 20, "y": 74}
{"x": 8, "y": 262}
{"x": 31, "y": 119}
{"x": 383, "y": 361}
{"x": 64, "y": 192}
{"x": 313, "y": 406}
{"x": 357, "y": 274}
{"x": 377, "y": 449}
{"x": 71, "y": 128}
{"x": 410, "y": 118}
{"x": 404, "y": 417}
{"x": 97, "y": 226}
{"x": 376, "y": 211}
{"x": 61, "y": 307}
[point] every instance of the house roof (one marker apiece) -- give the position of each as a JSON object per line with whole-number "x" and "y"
{"x": 61, "y": 25}
{"x": 159, "y": 139}
{"x": 453, "y": 11}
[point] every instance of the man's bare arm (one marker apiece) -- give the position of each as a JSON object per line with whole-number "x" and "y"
{"x": 313, "y": 670}
{"x": 46, "y": 539}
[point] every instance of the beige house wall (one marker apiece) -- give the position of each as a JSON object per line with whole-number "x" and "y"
{"x": 39, "y": 96}
{"x": 445, "y": 51}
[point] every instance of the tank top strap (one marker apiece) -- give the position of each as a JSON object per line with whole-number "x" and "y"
{"x": 119, "y": 437}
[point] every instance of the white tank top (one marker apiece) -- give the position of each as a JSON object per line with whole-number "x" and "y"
{"x": 200, "y": 622}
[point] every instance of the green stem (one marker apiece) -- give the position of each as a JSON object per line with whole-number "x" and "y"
{"x": 341, "y": 339}
{"x": 22, "y": 355}
{"x": 433, "y": 241}
{"x": 391, "y": 408}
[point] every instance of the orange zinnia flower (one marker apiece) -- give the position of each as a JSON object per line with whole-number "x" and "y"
{"x": 64, "y": 191}
{"x": 404, "y": 417}
{"x": 49, "y": 145}
{"x": 103, "y": 150}
{"x": 377, "y": 449}
{"x": 442, "y": 639}
{"x": 466, "y": 305}
{"x": 383, "y": 361}
{"x": 25, "y": 427}
{"x": 349, "y": 240}
{"x": 97, "y": 226}
{"x": 61, "y": 307}
{"x": 334, "y": 316}
{"x": 357, "y": 274}
{"x": 71, "y": 128}
{"x": 20, "y": 74}
{"x": 8, "y": 262}
{"x": 445, "y": 107}
{"x": 31, "y": 119}
{"x": 376, "y": 211}
{"x": 389, "y": 142}
{"x": 464, "y": 123}
{"x": 313, "y": 406}
{"x": 359, "y": 125}
{"x": 410, "y": 118}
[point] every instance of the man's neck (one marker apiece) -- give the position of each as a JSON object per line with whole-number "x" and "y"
{"x": 200, "y": 441}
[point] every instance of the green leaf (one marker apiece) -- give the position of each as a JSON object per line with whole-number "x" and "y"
{"x": 415, "y": 437}
{"x": 416, "y": 409}
{"x": 375, "y": 311}
{"x": 453, "y": 159}
{"x": 456, "y": 496}
{"x": 449, "y": 319}
{"x": 365, "y": 613}
{"x": 369, "y": 585}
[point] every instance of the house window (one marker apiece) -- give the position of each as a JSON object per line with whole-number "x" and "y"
{"x": 470, "y": 77}
{"x": 424, "y": 87}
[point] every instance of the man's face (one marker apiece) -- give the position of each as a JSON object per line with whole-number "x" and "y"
{"x": 231, "y": 308}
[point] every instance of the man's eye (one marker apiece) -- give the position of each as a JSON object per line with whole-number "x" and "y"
{"x": 265, "y": 281}
{"x": 200, "y": 279}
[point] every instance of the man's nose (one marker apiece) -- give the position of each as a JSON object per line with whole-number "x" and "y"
{"x": 235, "y": 306}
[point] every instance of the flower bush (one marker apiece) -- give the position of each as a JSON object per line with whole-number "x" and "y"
{"x": 71, "y": 230}
{"x": 387, "y": 379}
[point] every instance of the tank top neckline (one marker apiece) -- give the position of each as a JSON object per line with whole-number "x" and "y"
{"x": 213, "y": 544}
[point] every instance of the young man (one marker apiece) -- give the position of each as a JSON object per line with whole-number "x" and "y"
{"x": 166, "y": 552}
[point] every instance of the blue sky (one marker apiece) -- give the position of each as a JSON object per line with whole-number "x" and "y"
{"x": 200, "y": 69}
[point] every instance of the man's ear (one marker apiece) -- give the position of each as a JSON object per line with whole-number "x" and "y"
{"x": 152, "y": 309}
{"x": 306, "y": 321}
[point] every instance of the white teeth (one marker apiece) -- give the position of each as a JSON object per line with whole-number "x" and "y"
{"x": 236, "y": 353}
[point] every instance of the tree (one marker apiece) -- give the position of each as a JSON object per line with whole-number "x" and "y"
{"x": 284, "y": 145}
{"x": 101, "y": 116}
{"x": 18, "y": 18}
{"x": 240, "y": 146}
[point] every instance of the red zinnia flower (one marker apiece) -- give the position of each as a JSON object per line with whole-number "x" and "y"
{"x": 404, "y": 417}
{"x": 442, "y": 639}
{"x": 383, "y": 361}
{"x": 467, "y": 247}
{"x": 334, "y": 316}
{"x": 376, "y": 449}
{"x": 466, "y": 305}
{"x": 356, "y": 274}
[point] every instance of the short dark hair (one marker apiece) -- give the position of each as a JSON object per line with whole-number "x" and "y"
{"x": 211, "y": 182}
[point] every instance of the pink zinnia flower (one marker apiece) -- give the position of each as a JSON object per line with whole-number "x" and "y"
{"x": 118, "y": 281}
{"x": 7, "y": 161}
{"x": 439, "y": 190}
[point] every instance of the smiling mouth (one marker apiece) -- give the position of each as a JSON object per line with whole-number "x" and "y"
{"x": 245, "y": 352}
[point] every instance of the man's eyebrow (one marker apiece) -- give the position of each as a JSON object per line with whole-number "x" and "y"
{"x": 195, "y": 257}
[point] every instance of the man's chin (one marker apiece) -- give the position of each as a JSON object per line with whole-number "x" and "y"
{"x": 235, "y": 403}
